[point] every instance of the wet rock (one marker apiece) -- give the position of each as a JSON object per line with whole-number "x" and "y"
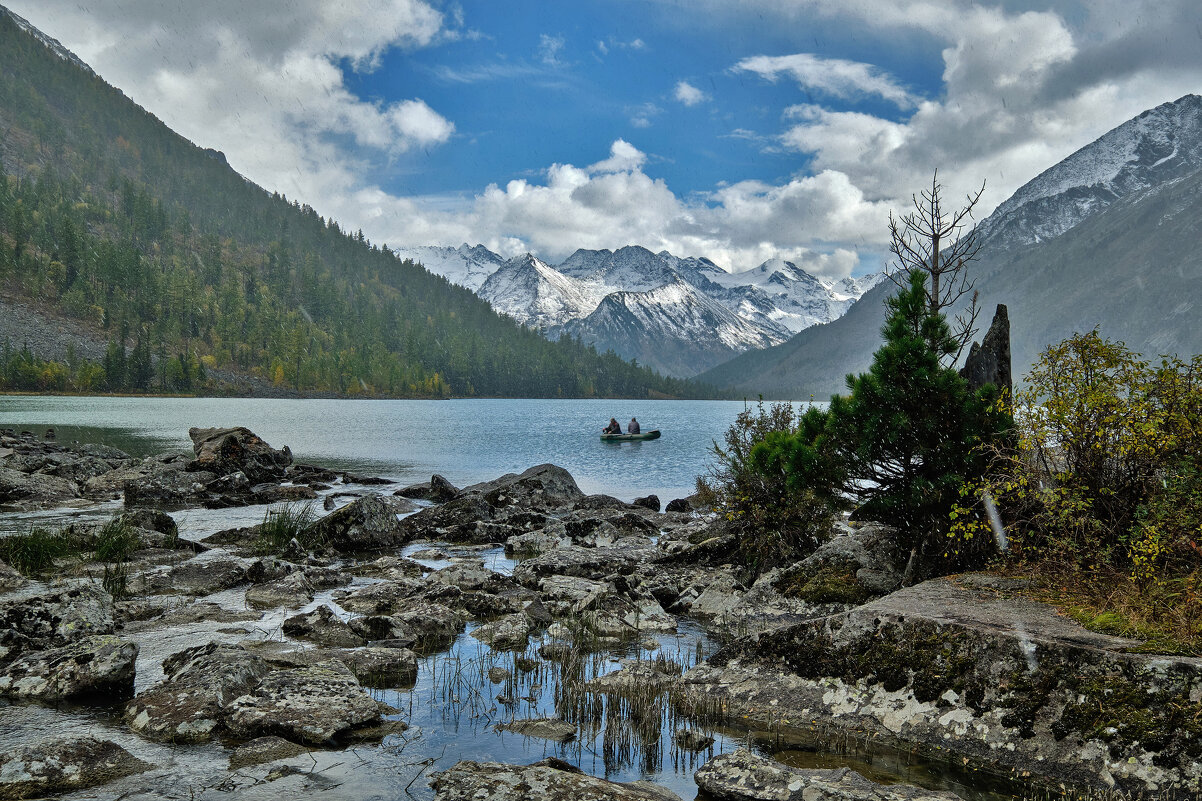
{"x": 437, "y": 490}
{"x": 381, "y": 667}
{"x": 202, "y": 575}
{"x": 93, "y": 668}
{"x": 152, "y": 520}
{"x": 262, "y": 750}
{"x": 228, "y": 450}
{"x": 398, "y": 505}
{"x": 637, "y": 677}
{"x": 554, "y": 729}
{"x": 498, "y": 674}
{"x": 549, "y": 780}
{"x": 189, "y": 705}
{"x": 472, "y": 576}
{"x": 692, "y": 740}
{"x": 383, "y": 598}
{"x": 649, "y": 502}
{"x": 569, "y": 595}
{"x": 54, "y": 617}
{"x": 273, "y": 493}
{"x": 453, "y": 521}
{"x": 535, "y": 542}
{"x": 318, "y": 704}
{"x": 595, "y": 502}
{"x": 289, "y": 592}
{"x": 720, "y": 596}
{"x": 10, "y": 579}
{"x": 322, "y": 627}
{"x": 64, "y": 766}
{"x": 742, "y": 776}
{"x": 679, "y": 505}
{"x": 590, "y": 563}
{"x": 507, "y": 634}
{"x": 383, "y": 628}
{"x": 34, "y": 491}
{"x": 390, "y": 568}
{"x": 545, "y": 486}
{"x": 366, "y": 524}
{"x": 433, "y": 624}
{"x": 167, "y": 486}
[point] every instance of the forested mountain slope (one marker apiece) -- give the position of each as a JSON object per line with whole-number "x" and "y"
{"x": 110, "y": 218}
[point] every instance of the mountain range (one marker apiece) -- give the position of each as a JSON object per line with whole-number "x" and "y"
{"x": 677, "y": 315}
{"x": 1108, "y": 238}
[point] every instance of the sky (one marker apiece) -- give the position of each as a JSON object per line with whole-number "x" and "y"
{"x": 738, "y": 130}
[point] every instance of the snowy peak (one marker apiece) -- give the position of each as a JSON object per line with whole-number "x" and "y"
{"x": 465, "y": 265}
{"x": 536, "y": 294}
{"x": 1159, "y": 146}
{"x": 52, "y": 44}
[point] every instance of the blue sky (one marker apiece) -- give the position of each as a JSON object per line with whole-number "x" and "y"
{"x": 739, "y": 130}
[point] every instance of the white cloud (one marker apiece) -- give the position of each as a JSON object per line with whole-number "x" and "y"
{"x": 836, "y": 77}
{"x": 688, "y": 94}
{"x": 549, "y": 48}
{"x": 419, "y": 123}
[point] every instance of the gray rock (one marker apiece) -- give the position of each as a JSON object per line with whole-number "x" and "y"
{"x": 322, "y": 627}
{"x": 510, "y": 633}
{"x": 553, "y": 729}
{"x": 189, "y": 705}
{"x": 93, "y": 668}
{"x": 289, "y": 592}
{"x": 318, "y": 704}
{"x": 454, "y": 521}
{"x": 227, "y": 450}
{"x": 692, "y": 740}
{"x": 989, "y": 361}
{"x": 590, "y": 563}
{"x": 549, "y": 780}
{"x": 433, "y": 624}
{"x": 437, "y": 489}
{"x": 384, "y": 598}
{"x": 35, "y": 491}
{"x": 55, "y": 617}
{"x": 165, "y": 486}
{"x": 390, "y": 568}
{"x": 650, "y": 502}
{"x": 202, "y": 575}
{"x": 364, "y": 525}
{"x": 679, "y": 505}
{"x": 64, "y": 766}
{"x": 722, "y": 594}
{"x": 743, "y": 776}
{"x": 545, "y": 486}
{"x": 472, "y": 575}
{"x": 383, "y": 628}
{"x": 10, "y": 579}
{"x": 637, "y": 677}
{"x": 262, "y": 750}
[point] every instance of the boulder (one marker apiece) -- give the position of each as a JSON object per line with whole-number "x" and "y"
{"x": 590, "y": 563}
{"x": 472, "y": 575}
{"x": 549, "y": 780}
{"x": 264, "y": 749}
{"x": 510, "y": 633}
{"x": 454, "y": 521}
{"x": 55, "y": 617}
{"x": 34, "y": 491}
{"x": 289, "y": 592}
{"x": 166, "y": 486}
{"x": 649, "y": 502}
{"x": 637, "y": 677}
{"x": 433, "y": 624}
{"x": 366, "y": 524}
{"x": 857, "y": 564}
{"x": 679, "y": 505}
{"x": 64, "y": 766}
{"x": 743, "y": 776}
{"x": 228, "y": 450}
{"x": 554, "y": 729}
{"x": 10, "y": 579}
{"x": 545, "y": 486}
{"x": 380, "y": 667}
{"x": 322, "y": 627}
{"x": 205, "y": 574}
{"x": 722, "y": 594}
{"x": 189, "y": 705}
{"x": 317, "y": 704}
{"x": 383, "y": 628}
{"x": 99, "y": 668}
{"x": 437, "y": 490}
{"x": 383, "y": 598}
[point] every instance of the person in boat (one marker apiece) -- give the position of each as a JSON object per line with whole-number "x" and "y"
{"x": 613, "y": 427}
{"x": 633, "y": 428}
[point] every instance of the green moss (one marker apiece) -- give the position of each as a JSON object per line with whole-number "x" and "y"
{"x": 833, "y": 582}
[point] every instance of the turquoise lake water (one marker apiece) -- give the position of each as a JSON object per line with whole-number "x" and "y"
{"x": 407, "y": 440}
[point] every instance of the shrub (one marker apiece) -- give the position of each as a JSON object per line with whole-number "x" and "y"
{"x": 777, "y": 522}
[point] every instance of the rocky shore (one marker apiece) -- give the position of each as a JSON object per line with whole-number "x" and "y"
{"x": 278, "y": 654}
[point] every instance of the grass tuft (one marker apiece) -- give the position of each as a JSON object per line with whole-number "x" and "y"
{"x": 283, "y": 523}
{"x": 33, "y": 553}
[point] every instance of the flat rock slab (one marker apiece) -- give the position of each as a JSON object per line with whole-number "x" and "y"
{"x": 743, "y": 776}
{"x": 95, "y": 668}
{"x": 314, "y": 704}
{"x": 553, "y": 729}
{"x": 322, "y": 627}
{"x": 549, "y": 780}
{"x": 264, "y": 749}
{"x": 64, "y": 766}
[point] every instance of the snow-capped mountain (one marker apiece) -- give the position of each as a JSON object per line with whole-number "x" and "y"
{"x": 1106, "y": 239}
{"x": 1149, "y": 151}
{"x": 538, "y": 295}
{"x": 679, "y": 315}
{"x": 465, "y": 265}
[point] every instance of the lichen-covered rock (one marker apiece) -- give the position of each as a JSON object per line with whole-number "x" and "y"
{"x": 163, "y": 485}
{"x": 554, "y": 729}
{"x": 637, "y": 676}
{"x": 10, "y": 579}
{"x": 54, "y": 617}
{"x": 361, "y": 526}
{"x": 743, "y": 776}
{"x": 203, "y": 574}
{"x": 319, "y": 704}
{"x": 589, "y": 563}
{"x": 510, "y": 633}
{"x": 854, "y": 566}
{"x": 472, "y": 575}
{"x": 383, "y": 598}
{"x": 433, "y": 624}
{"x": 545, "y": 486}
{"x": 322, "y": 627}
{"x": 454, "y": 521}
{"x": 23, "y": 490}
{"x": 64, "y": 766}
{"x": 189, "y": 705}
{"x": 93, "y": 668}
{"x": 264, "y": 749}
{"x": 228, "y": 450}
{"x": 548, "y": 780}
{"x": 992, "y": 681}
{"x": 289, "y": 592}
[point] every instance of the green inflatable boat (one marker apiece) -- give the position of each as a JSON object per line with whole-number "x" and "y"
{"x": 630, "y": 437}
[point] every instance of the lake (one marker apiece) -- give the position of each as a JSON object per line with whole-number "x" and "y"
{"x": 466, "y": 441}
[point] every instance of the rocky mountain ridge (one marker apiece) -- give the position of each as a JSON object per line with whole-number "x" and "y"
{"x": 678, "y": 315}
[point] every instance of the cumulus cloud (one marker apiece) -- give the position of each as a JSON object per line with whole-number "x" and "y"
{"x": 836, "y": 77}
{"x": 688, "y": 94}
